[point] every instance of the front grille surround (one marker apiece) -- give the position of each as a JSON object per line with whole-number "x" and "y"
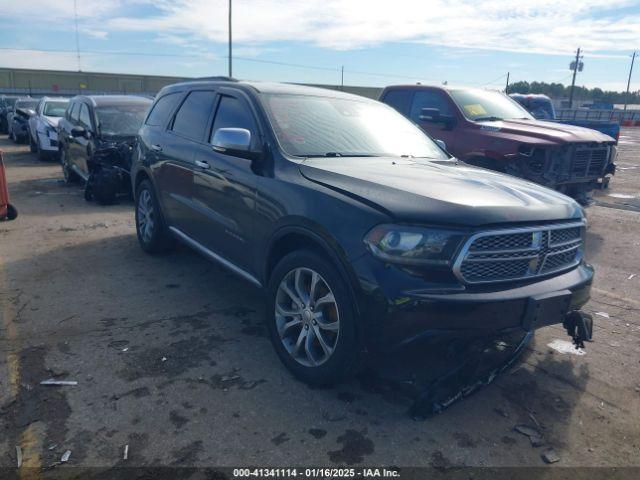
{"x": 518, "y": 254}
{"x": 589, "y": 161}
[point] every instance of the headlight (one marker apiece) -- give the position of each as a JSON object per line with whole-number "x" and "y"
{"x": 413, "y": 245}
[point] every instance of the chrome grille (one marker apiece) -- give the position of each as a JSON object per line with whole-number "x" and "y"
{"x": 517, "y": 254}
{"x": 589, "y": 161}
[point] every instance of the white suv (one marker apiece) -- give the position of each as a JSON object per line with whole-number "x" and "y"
{"x": 43, "y": 126}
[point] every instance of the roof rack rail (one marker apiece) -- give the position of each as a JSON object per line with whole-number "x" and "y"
{"x": 219, "y": 77}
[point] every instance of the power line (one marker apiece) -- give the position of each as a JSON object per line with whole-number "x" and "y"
{"x": 245, "y": 59}
{"x": 492, "y": 82}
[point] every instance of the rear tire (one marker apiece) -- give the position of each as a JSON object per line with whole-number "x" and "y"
{"x": 12, "y": 212}
{"x": 103, "y": 187}
{"x": 151, "y": 229}
{"x": 318, "y": 340}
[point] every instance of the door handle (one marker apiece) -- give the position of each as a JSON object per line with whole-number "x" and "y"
{"x": 156, "y": 147}
{"x": 202, "y": 164}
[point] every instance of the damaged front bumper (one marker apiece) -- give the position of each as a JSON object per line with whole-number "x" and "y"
{"x": 397, "y": 316}
{"x": 573, "y": 169}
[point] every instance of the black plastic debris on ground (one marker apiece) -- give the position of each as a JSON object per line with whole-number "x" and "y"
{"x": 438, "y": 371}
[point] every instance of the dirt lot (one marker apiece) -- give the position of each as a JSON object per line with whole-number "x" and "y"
{"x": 171, "y": 357}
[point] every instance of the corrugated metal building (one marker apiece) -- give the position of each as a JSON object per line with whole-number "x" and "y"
{"x": 57, "y": 82}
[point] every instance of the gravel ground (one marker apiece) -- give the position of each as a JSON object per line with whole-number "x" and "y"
{"x": 171, "y": 357}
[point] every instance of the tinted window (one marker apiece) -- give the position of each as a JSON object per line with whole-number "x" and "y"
{"x": 74, "y": 112}
{"x": 27, "y": 104}
{"x": 233, "y": 113}
{"x": 193, "y": 116}
{"x": 399, "y": 99}
{"x": 85, "y": 119}
{"x": 162, "y": 109}
{"x": 429, "y": 99}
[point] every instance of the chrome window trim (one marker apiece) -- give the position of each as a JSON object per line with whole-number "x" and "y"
{"x": 460, "y": 258}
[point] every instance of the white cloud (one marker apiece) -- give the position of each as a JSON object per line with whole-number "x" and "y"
{"x": 536, "y": 26}
{"x": 60, "y": 9}
{"x": 99, "y": 34}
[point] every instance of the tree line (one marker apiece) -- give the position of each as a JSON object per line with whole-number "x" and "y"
{"x": 558, "y": 90}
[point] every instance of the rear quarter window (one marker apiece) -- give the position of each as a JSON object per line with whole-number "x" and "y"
{"x": 163, "y": 108}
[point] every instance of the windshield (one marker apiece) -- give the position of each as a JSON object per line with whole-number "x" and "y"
{"x": 11, "y": 101}
{"x": 27, "y": 104}
{"x": 480, "y": 105}
{"x": 121, "y": 119}
{"x": 55, "y": 108}
{"x": 308, "y": 126}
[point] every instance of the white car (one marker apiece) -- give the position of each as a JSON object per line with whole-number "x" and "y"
{"x": 43, "y": 126}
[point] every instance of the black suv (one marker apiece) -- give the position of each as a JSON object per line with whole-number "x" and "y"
{"x": 364, "y": 233}
{"x": 96, "y": 137}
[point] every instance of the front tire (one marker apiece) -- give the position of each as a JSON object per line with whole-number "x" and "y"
{"x": 312, "y": 319}
{"x": 153, "y": 234}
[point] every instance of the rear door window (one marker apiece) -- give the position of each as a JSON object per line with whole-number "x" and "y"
{"x": 193, "y": 115}
{"x": 163, "y": 108}
{"x": 399, "y": 99}
{"x": 233, "y": 113}
{"x": 429, "y": 99}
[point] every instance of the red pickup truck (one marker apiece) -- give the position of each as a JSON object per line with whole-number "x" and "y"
{"x": 490, "y": 130}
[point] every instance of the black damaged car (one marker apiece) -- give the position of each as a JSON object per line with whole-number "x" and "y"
{"x": 97, "y": 135}
{"x": 363, "y": 233}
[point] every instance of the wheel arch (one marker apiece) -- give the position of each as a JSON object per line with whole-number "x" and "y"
{"x": 290, "y": 238}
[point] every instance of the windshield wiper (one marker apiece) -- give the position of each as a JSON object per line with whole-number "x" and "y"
{"x": 338, "y": 154}
{"x": 488, "y": 119}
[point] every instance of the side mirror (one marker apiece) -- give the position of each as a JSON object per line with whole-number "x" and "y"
{"x": 433, "y": 115}
{"x": 232, "y": 141}
{"x": 441, "y": 144}
{"x": 430, "y": 114}
{"x": 78, "y": 131}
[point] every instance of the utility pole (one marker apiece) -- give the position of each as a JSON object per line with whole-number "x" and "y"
{"x": 342, "y": 78}
{"x": 573, "y": 81}
{"x": 506, "y": 89}
{"x": 626, "y": 95}
{"x": 75, "y": 14}
{"x": 230, "y": 41}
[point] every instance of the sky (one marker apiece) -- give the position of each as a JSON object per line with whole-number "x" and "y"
{"x": 465, "y": 42}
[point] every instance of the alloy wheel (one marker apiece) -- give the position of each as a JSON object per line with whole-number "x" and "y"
{"x": 146, "y": 217}
{"x": 307, "y": 317}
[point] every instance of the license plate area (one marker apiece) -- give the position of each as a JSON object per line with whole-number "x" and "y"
{"x": 546, "y": 309}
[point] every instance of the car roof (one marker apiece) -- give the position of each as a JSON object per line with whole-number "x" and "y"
{"x": 261, "y": 88}
{"x": 448, "y": 88}
{"x": 59, "y": 99}
{"x": 99, "y": 100}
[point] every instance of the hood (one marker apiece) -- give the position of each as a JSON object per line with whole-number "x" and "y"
{"x": 448, "y": 192}
{"x": 51, "y": 121}
{"x": 549, "y": 131}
